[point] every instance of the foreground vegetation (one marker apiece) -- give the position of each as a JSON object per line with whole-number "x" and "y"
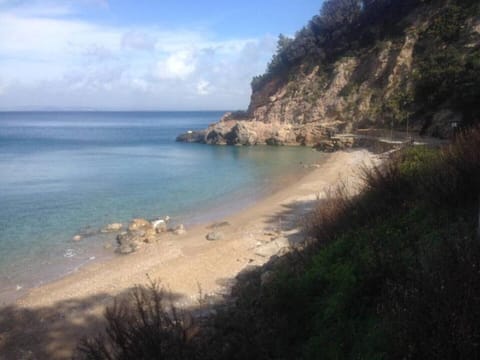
{"x": 393, "y": 273}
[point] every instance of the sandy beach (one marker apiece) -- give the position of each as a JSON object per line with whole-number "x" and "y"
{"x": 48, "y": 322}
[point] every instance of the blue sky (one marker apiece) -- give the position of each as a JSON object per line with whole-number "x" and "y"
{"x": 120, "y": 55}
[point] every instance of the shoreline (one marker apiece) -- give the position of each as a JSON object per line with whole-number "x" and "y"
{"x": 100, "y": 247}
{"x": 186, "y": 264}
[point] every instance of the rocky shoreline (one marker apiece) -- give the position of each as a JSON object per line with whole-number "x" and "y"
{"x": 320, "y": 136}
{"x": 246, "y": 131}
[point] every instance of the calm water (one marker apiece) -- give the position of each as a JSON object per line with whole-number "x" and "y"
{"x": 73, "y": 172}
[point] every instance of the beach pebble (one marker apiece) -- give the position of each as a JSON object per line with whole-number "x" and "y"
{"x": 77, "y": 238}
{"x": 214, "y": 235}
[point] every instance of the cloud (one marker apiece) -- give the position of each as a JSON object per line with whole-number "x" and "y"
{"x": 50, "y": 59}
{"x": 203, "y": 87}
{"x": 138, "y": 41}
{"x": 178, "y": 65}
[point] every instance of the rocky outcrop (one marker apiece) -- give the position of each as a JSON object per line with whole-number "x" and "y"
{"x": 366, "y": 88}
{"x": 192, "y": 136}
{"x": 251, "y": 132}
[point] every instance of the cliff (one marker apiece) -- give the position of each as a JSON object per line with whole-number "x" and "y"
{"x": 413, "y": 67}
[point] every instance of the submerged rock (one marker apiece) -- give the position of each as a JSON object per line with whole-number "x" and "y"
{"x": 112, "y": 228}
{"x": 77, "y": 238}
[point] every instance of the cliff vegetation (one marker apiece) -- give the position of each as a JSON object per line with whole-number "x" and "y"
{"x": 405, "y": 65}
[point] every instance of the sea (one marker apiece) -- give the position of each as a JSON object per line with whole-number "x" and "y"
{"x": 69, "y": 173}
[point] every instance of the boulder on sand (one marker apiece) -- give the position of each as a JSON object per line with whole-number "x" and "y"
{"x": 139, "y": 231}
{"x": 139, "y": 224}
{"x": 127, "y": 242}
{"x": 160, "y": 225}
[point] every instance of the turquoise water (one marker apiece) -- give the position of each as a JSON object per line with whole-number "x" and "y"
{"x": 64, "y": 173}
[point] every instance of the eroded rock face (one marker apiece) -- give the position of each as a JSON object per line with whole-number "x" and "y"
{"x": 241, "y": 134}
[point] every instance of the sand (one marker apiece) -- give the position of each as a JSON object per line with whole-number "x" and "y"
{"x": 48, "y": 322}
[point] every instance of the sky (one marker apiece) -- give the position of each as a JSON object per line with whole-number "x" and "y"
{"x": 139, "y": 55}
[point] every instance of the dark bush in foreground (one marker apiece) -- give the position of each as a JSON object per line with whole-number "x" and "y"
{"x": 142, "y": 326}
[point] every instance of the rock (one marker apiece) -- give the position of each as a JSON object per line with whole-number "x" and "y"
{"x": 180, "y": 230}
{"x": 216, "y": 134}
{"x": 159, "y": 225}
{"x": 192, "y": 137}
{"x": 127, "y": 242}
{"x": 161, "y": 228}
{"x": 112, "y": 228}
{"x": 274, "y": 141}
{"x": 214, "y": 235}
{"x": 272, "y": 248}
{"x": 139, "y": 224}
{"x": 107, "y": 245}
{"x": 149, "y": 235}
{"x": 240, "y": 134}
{"x": 77, "y": 238}
{"x": 139, "y": 231}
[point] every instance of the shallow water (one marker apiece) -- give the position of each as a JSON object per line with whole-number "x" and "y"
{"x": 64, "y": 173}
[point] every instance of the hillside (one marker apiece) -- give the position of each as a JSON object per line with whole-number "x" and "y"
{"x": 389, "y": 272}
{"x": 364, "y": 64}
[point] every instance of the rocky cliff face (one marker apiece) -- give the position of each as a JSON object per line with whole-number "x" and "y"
{"x": 368, "y": 89}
